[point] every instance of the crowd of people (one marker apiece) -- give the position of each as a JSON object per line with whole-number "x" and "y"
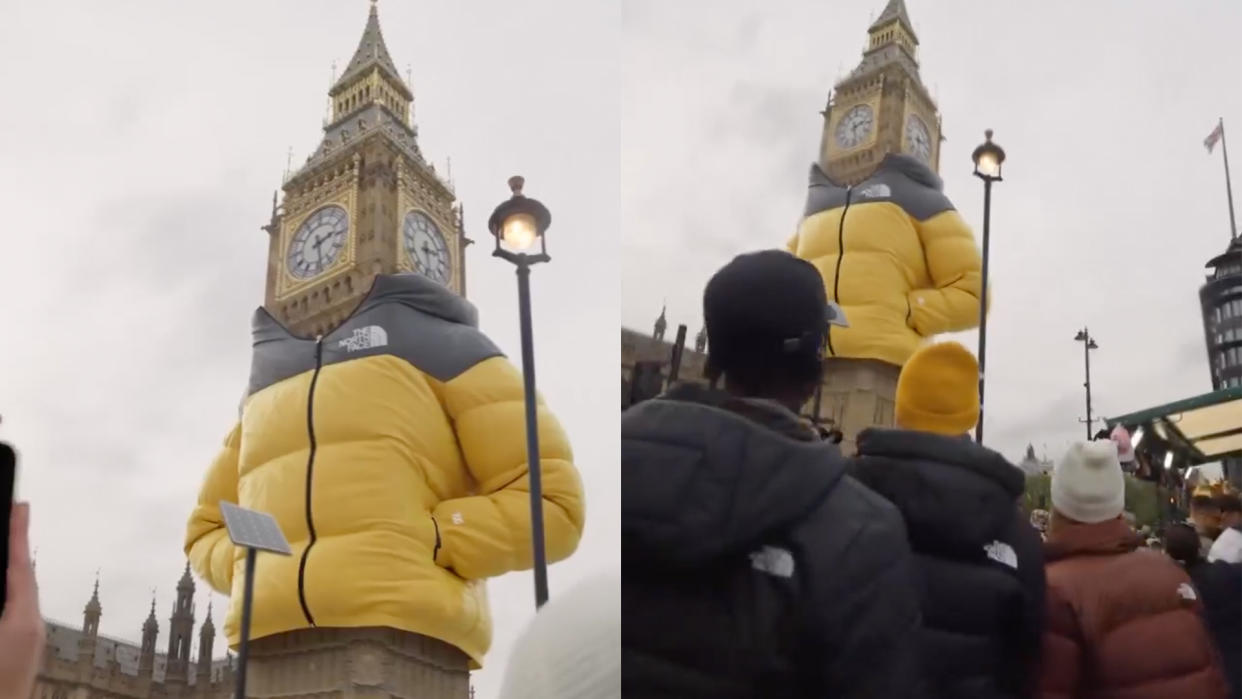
{"x": 761, "y": 561}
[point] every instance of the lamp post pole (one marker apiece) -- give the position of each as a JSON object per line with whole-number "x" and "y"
{"x": 988, "y": 158}
{"x": 519, "y": 223}
{"x": 1088, "y": 344}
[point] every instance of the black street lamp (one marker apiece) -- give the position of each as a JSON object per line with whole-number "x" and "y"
{"x": 1088, "y": 344}
{"x": 988, "y": 158}
{"x": 517, "y": 224}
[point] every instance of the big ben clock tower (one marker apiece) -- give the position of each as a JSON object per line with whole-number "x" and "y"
{"x": 881, "y": 107}
{"x": 903, "y": 265}
{"x": 365, "y": 203}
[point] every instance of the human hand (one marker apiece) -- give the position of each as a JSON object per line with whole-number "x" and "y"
{"x": 22, "y": 631}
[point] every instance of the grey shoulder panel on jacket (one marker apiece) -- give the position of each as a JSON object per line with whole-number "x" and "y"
{"x": 440, "y": 348}
{"x": 900, "y": 179}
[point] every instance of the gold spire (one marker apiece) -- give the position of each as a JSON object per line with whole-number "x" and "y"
{"x": 372, "y": 53}
{"x": 895, "y": 10}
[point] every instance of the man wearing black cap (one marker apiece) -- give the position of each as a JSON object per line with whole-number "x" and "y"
{"x": 752, "y": 564}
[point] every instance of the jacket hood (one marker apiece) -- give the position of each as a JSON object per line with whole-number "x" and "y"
{"x": 898, "y": 163}
{"x": 407, "y": 288}
{"x": 1067, "y": 538}
{"x": 422, "y": 294}
{"x": 705, "y": 475}
{"x": 954, "y": 494}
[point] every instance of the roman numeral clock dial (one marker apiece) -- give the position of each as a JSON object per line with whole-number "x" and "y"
{"x": 427, "y": 248}
{"x": 855, "y": 126}
{"x": 318, "y": 242}
{"x": 918, "y": 140}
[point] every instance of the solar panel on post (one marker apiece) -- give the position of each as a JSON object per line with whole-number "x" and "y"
{"x": 253, "y": 531}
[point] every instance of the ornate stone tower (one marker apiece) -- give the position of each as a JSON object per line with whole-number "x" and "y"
{"x": 366, "y": 202}
{"x": 92, "y": 614}
{"x": 90, "y": 632}
{"x": 150, "y": 632}
{"x": 206, "y": 638}
{"x": 181, "y": 628}
{"x": 882, "y": 106}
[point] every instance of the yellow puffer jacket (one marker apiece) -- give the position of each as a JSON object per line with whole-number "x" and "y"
{"x": 393, "y": 455}
{"x": 895, "y": 255}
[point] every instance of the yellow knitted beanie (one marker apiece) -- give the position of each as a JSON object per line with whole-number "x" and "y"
{"x": 938, "y": 390}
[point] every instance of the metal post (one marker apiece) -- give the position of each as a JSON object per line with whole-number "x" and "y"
{"x": 983, "y": 303}
{"x": 819, "y": 400}
{"x": 532, "y": 435}
{"x": 674, "y": 369}
{"x": 1224, "y": 149}
{"x": 1086, "y": 356}
{"x": 243, "y": 650}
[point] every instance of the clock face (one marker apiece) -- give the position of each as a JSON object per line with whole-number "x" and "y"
{"x": 318, "y": 242}
{"x": 425, "y": 245}
{"x": 855, "y": 126}
{"x": 918, "y": 141}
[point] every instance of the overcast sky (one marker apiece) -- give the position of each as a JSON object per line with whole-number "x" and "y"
{"x": 1109, "y": 209}
{"x": 139, "y": 147}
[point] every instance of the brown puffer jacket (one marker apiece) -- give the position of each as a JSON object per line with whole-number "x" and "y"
{"x": 1122, "y": 623}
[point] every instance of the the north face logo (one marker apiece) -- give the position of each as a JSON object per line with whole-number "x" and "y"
{"x": 366, "y": 338}
{"x": 1187, "y": 592}
{"x": 875, "y": 191}
{"x": 773, "y": 561}
{"x": 1001, "y": 552}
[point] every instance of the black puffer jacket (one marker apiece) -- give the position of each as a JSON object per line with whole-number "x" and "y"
{"x": 754, "y": 567}
{"x": 1220, "y": 586}
{"x": 979, "y": 559}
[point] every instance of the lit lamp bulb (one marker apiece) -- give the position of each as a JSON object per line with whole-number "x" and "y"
{"x": 988, "y": 165}
{"x": 519, "y": 232}
{"x": 988, "y": 158}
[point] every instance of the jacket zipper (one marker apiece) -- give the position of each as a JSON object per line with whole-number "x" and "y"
{"x": 310, "y": 471}
{"x": 836, "y": 276}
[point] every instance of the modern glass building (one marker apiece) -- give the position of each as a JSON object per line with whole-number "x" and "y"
{"x": 1221, "y": 299}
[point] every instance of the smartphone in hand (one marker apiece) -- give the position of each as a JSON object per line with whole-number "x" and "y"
{"x": 8, "y": 474}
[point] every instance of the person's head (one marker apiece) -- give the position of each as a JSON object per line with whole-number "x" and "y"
{"x": 1125, "y": 448}
{"x": 1181, "y": 542}
{"x": 1087, "y": 485}
{"x": 938, "y": 390}
{"x": 767, "y": 316}
{"x": 1230, "y": 510}
{"x": 1205, "y": 512}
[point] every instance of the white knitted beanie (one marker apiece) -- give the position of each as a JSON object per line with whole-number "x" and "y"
{"x": 572, "y": 648}
{"x": 1087, "y": 485}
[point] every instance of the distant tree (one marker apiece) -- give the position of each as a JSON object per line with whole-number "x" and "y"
{"x": 1143, "y": 498}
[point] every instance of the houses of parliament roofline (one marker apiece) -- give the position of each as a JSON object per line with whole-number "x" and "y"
{"x": 80, "y": 662}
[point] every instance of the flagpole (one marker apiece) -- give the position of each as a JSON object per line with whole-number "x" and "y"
{"x": 1224, "y": 149}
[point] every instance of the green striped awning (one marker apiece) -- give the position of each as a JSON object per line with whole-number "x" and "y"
{"x": 1207, "y": 427}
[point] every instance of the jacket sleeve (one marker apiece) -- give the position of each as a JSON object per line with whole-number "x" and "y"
{"x": 1061, "y": 665}
{"x": 489, "y": 533}
{"x": 873, "y": 650}
{"x": 954, "y": 264}
{"x": 207, "y": 542}
{"x": 791, "y": 245}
